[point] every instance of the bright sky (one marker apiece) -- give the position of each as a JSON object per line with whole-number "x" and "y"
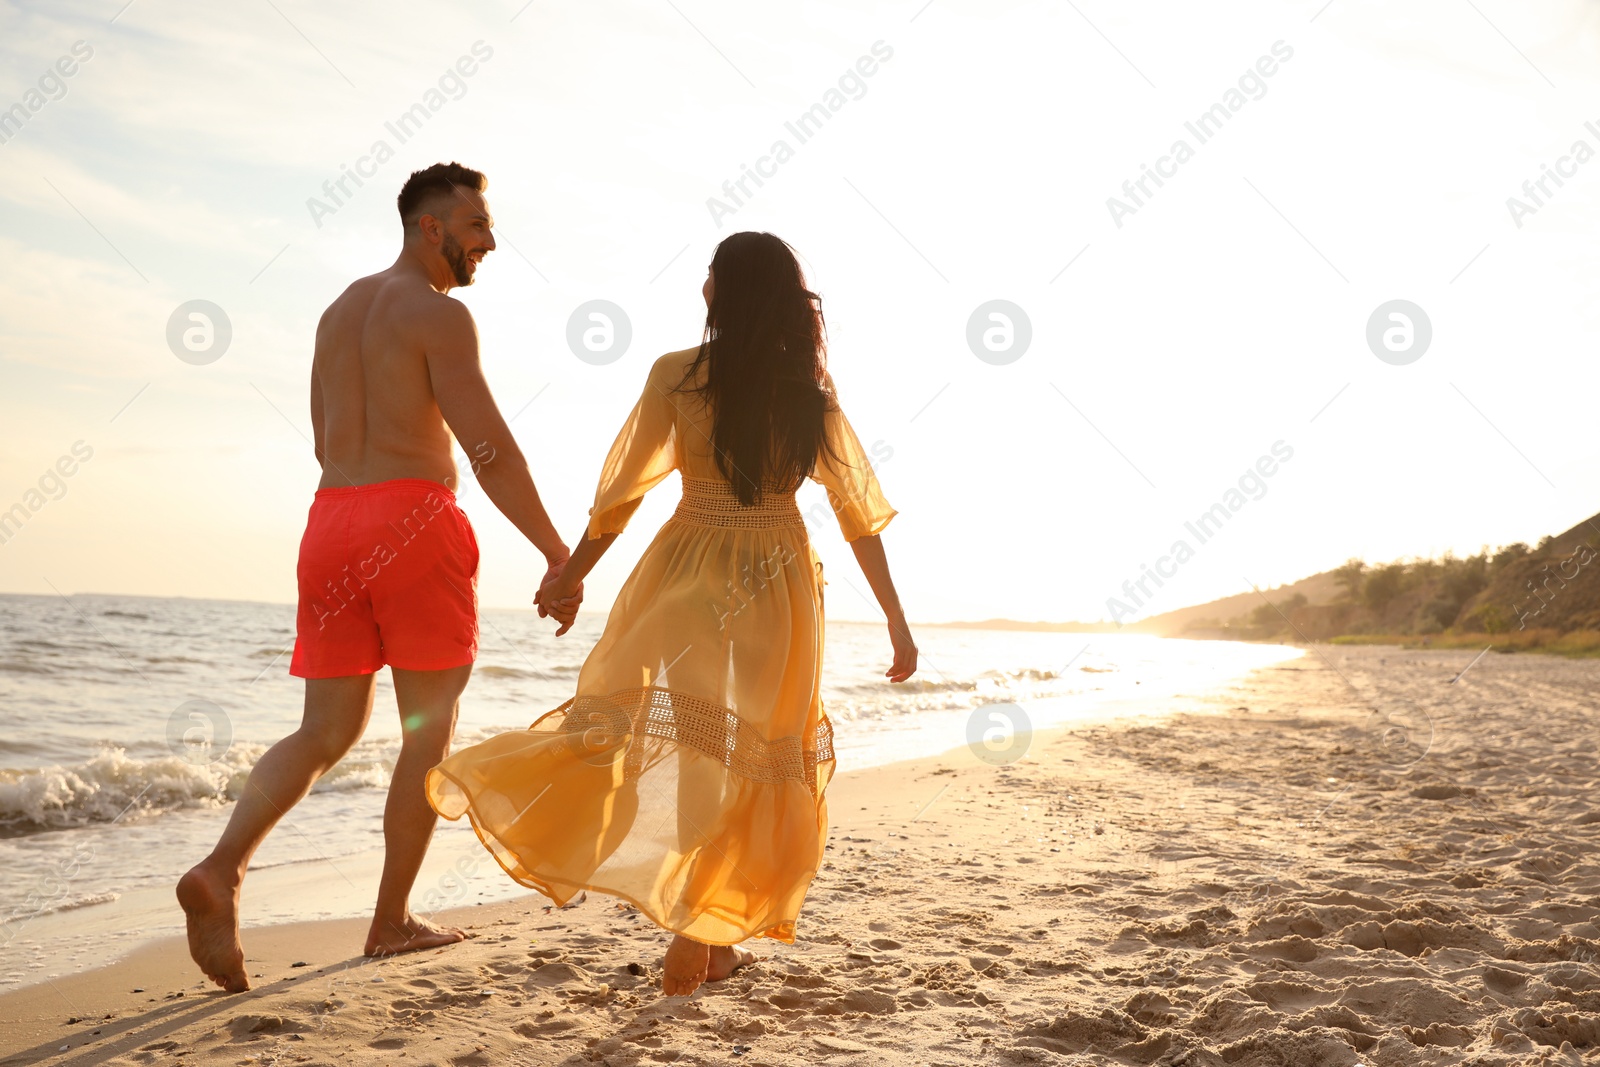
{"x": 1171, "y": 346}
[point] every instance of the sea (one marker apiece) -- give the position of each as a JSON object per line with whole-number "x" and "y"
{"x": 129, "y": 724}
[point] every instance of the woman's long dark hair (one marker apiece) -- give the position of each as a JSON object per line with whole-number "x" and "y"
{"x": 764, "y": 351}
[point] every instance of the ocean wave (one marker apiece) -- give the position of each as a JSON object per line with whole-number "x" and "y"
{"x": 881, "y": 689}
{"x": 115, "y": 787}
{"x": 88, "y": 900}
{"x": 352, "y": 774}
{"x": 1025, "y": 674}
{"x": 17, "y": 666}
{"x": 112, "y": 786}
{"x": 991, "y": 683}
{"x": 12, "y": 746}
{"x": 125, "y": 614}
{"x": 518, "y": 672}
{"x": 47, "y": 646}
{"x": 883, "y": 701}
{"x": 909, "y": 705}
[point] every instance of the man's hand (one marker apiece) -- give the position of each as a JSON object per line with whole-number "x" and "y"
{"x": 558, "y": 598}
{"x": 552, "y": 572}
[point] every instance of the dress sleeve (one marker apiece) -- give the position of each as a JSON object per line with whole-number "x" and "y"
{"x": 644, "y": 453}
{"x": 853, "y": 488}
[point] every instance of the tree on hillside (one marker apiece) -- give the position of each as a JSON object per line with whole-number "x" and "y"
{"x": 1275, "y": 617}
{"x": 1350, "y": 576}
{"x": 1383, "y": 584}
{"x": 1464, "y": 578}
{"x": 1509, "y": 554}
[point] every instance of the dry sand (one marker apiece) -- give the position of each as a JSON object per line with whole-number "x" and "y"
{"x": 1344, "y": 859}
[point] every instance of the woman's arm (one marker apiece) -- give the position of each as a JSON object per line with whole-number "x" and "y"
{"x": 644, "y": 453}
{"x": 875, "y": 565}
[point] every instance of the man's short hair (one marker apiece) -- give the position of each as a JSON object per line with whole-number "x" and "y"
{"x": 421, "y": 193}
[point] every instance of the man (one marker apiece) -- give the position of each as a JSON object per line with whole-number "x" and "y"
{"x": 388, "y": 564}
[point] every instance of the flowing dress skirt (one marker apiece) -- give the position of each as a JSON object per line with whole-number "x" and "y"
{"x": 687, "y": 775}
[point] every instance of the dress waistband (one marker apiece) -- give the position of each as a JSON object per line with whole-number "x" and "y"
{"x": 712, "y": 502}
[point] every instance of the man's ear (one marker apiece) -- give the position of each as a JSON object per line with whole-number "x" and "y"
{"x": 431, "y": 228}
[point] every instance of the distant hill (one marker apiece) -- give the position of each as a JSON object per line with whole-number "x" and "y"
{"x": 1553, "y": 588}
{"x": 1231, "y": 616}
{"x": 1520, "y": 592}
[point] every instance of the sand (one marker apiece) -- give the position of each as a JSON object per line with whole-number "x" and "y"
{"x": 1349, "y": 858}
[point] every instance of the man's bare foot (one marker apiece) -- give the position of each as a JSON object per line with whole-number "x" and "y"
{"x": 211, "y": 911}
{"x": 409, "y": 935}
{"x": 689, "y": 963}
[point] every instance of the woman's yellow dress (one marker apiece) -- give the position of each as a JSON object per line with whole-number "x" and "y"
{"x": 687, "y": 775}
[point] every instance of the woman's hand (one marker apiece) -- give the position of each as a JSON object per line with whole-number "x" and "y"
{"x": 875, "y": 565}
{"x": 559, "y": 597}
{"x": 905, "y": 652}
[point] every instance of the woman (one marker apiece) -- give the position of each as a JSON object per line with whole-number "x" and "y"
{"x": 688, "y": 773}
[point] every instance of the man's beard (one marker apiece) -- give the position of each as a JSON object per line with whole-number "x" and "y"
{"x": 453, "y": 255}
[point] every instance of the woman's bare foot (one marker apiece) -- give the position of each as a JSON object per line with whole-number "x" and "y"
{"x": 689, "y": 963}
{"x": 684, "y": 967}
{"x": 211, "y": 910}
{"x": 725, "y": 959}
{"x": 411, "y": 934}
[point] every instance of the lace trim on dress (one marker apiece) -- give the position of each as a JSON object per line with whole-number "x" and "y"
{"x": 712, "y": 502}
{"x": 600, "y": 722}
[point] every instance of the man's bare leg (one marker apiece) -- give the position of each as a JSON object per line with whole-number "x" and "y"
{"x": 336, "y": 711}
{"x": 428, "y": 702}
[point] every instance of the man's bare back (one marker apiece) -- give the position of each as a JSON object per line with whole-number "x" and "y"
{"x": 372, "y": 397}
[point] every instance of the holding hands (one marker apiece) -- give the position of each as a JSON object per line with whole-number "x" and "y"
{"x": 562, "y": 589}
{"x": 559, "y": 597}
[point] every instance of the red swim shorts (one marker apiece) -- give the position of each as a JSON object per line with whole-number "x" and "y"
{"x": 388, "y": 573}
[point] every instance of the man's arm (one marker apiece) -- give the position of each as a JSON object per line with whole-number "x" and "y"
{"x": 462, "y": 393}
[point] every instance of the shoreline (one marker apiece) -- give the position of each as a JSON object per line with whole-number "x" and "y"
{"x": 161, "y": 965}
{"x": 314, "y": 869}
{"x": 444, "y": 863}
{"x": 1363, "y": 856}
{"x": 1572, "y": 643}
{"x": 158, "y": 979}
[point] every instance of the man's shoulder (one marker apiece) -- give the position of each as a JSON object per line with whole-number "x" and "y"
{"x": 404, "y": 292}
{"x": 439, "y": 307}
{"x": 421, "y": 307}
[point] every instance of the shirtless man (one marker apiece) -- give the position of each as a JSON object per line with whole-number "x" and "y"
{"x": 388, "y": 565}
